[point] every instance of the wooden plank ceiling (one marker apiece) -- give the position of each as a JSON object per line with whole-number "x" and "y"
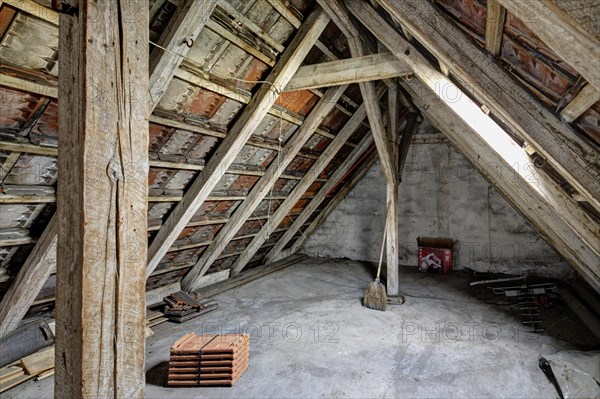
{"x": 204, "y": 82}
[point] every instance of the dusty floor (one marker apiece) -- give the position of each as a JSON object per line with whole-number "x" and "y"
{"x": 311, "y": 338}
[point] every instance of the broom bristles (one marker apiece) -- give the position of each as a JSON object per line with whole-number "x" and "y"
{"x": 375, "y": 296}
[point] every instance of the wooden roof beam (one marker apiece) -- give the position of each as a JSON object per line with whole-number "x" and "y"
{"x": 494, "y": 26}
{"x": 571, "y": 155}
{"x": 562, "y": 33}
{"x": 237, "y": 137}
{"x": 29, "y": 281}
{"x": 348, "y": 71}
{"x": 559, "y": 219}
{"x": 189, "y": 19}
{"x": 312, "y": 206}
{"x": 342, "y": 17}
{"x": 388, "y": 165}
{"x": 587, "y": 97}
{"x": 300, "y": 189}
{"x": 262, "y": 187}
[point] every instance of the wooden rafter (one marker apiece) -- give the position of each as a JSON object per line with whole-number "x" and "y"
{"x": 332, "y": 182}
{"x": 285, "y": 13}
{"x": 347, "y": 71}
{"x": 560, "y": 220}
{"x": 559, "y": 144}
{"x": 362, "y": 170}
{"x": 29, "y": 281}
{"x": 237, "y": 137}
{"x": 562, "y": 33}
{"x": 184, "y": 27}
{"x": 262, "y": 187}
{"x": 27, "y": 85}
{"x": 494, "y": 26}
{"x": 341, "y": 16}
{"x": 299, "y": 190}
{"x": 587, "y": 97}
{"x": 374, "y": 115}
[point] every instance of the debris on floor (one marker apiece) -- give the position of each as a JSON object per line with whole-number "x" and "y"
{"x": 575, "y": 374}
{"x": 208, "y": 360}
{"x": 182, "y": 306}
{"x": 531, "y": 298}
{"x": 26, "y": 340}
{"x": 155, "y": 317}
{"x": 396, "y": 299}
{"x": 38, "y": 365}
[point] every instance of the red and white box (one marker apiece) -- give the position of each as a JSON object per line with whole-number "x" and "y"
{"x": 435, "y": 254}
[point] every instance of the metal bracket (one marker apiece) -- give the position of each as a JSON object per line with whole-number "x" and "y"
{"x": 63, "y": 7}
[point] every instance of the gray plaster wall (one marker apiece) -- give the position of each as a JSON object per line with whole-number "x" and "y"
{"x": 441, "y": 195}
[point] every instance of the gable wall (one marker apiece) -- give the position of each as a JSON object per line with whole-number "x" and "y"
{"x": 441, "y": 195}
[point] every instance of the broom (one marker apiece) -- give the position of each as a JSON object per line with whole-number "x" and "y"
{"x": 375, "y": 295}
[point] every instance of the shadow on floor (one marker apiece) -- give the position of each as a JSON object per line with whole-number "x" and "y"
{"x": 157, "y": 375}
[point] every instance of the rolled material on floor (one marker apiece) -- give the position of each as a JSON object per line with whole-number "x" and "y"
{"x": 24, "y": 341}
{"x": 588, "y": 318}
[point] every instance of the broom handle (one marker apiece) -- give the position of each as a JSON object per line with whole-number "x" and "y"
{"x": 385, "y": 227}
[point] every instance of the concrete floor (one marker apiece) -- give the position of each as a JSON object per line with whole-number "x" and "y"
{"x": 311, "y": 338}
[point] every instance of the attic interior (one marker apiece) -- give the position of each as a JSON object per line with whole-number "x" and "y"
{"x": 269, "y": 175}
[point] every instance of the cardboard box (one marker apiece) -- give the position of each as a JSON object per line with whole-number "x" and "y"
{"x": 435, "y": 254}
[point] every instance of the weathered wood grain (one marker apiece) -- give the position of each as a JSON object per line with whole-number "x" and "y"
{"x": 237, "y": 137}
{"x": 559, "y": 219}
{"x": 263, "y": 186}
{"x": 102, "y": 201}
{"x": 571, "y": 155}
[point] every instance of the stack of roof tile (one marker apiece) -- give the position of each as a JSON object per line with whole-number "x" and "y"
{"x": 208, "y": 360}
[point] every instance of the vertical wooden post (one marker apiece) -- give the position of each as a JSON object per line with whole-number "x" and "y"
{"x": 392, "y": 194}
{"x": 102, "y": 194}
